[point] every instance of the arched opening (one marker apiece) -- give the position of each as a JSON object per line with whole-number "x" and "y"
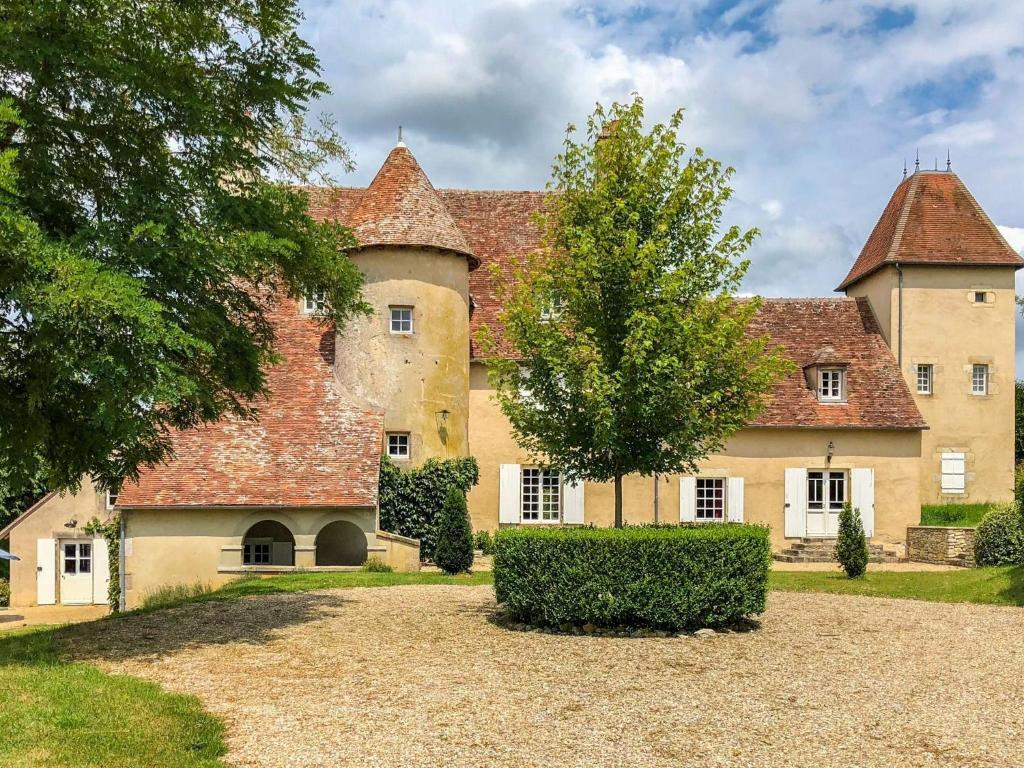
{"x": 341, "y": 543}
{"x": 268, "y": 542}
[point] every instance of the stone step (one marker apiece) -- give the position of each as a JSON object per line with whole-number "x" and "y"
{"x": 798, "y": 556}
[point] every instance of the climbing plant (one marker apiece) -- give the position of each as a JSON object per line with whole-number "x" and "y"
{"x": 111, "y": 532}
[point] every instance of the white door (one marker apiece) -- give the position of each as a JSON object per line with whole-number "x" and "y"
{"x": 76, "y": 572}
{"x": 826, "y": 494}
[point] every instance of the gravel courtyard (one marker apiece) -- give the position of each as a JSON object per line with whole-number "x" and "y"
{"x": 420, "y": 676}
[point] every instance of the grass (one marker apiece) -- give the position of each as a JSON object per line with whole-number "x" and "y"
{"x": 955, "y": 515}
{"x": 62, "y": 715}
{"x": 993, "y": 586}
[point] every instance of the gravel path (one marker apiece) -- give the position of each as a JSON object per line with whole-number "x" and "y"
{"x": 419, "y": 676}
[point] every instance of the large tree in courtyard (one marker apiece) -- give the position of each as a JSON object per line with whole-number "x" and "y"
{"x": 144, "y": 222}
{"x": 626, "y": 349}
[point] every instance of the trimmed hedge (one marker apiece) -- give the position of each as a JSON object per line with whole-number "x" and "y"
{"x": 1000, "y": 537}
{"x": 660, "y": 577}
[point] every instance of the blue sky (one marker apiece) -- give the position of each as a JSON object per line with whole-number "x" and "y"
{"x": 816, "y": 103}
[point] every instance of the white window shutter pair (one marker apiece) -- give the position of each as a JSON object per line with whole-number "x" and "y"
{"x": 862, "y": 497}
{"x": 510, "y": 488}
{"x": 688, "y": 499}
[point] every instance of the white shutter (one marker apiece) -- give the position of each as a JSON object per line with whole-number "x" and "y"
{"x": 687, "y": 499}
{"x": 862, "y": 497}
{"x": 509, "y": 489}
{"x": 572, "y": 510}
{"x": 734, "y": 499}
{"x": 46, "y": 576}
{"x": 954, "y": 472}
{"x": 100, "y": 571}
{"x": 796, "y": 503}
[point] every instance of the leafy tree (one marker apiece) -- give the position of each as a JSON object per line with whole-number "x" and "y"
{"x": 851, "y": 545}
{"x": 1018, "y": 422}
{"x": 454, "y": 551}
{"x": 15, "y": 498}
{"x": 145, "y": 222}
{"x": 629, "y": 352}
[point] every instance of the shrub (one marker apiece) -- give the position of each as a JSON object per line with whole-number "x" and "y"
{"x": 660, "y": 577}
{"x": 1000, "y": 538}
{"x": 454, "y": 551}
{"x": 484, "y": 541}
{"x": 174, "y": 594}
{"x": 376, "y": 565}
{"x": 1018, "y": 484}
{"x": 5, "y": 593}
{"x": 411, "y": 500}
{"x": 851, "y": 546}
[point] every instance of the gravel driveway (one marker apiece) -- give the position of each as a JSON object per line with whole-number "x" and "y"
{"x": 419, "y": 676}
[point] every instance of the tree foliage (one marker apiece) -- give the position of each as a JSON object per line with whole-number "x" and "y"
{"x": 144, "y": 221}
{"x": 851, "y": 544}
{"x": 629, "y": 352}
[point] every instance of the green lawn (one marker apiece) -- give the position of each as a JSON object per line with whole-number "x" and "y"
{"x": 999, "y": 586}
{"x": 955, "y": 515}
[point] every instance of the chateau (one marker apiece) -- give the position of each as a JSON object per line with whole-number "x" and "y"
{"x": 902, "y": 394}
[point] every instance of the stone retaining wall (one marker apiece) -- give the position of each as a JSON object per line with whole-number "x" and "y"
{"x": 941, "y": 545}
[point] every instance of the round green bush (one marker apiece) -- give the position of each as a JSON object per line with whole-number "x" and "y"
{"x": 658, "y": 577}
{"x": 1000, "y": 538}
{"x": 454, "y": 551}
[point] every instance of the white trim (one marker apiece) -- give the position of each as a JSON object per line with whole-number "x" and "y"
{"x": 400, "y": 309}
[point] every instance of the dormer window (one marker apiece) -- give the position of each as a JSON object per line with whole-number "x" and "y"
{"x": 831, "y": 385}
{"x": 314, "y": 303}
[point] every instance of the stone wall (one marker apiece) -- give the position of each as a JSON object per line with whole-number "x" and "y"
{"x": 936, "y": 544}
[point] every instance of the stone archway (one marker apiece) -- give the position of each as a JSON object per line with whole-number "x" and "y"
{"x": 268, "y": 542}
{"x": 341, "y": 543}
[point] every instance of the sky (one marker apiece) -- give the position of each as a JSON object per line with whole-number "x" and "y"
{"x": 817, "y": 104}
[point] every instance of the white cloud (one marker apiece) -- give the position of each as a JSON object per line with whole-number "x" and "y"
{"x": 1014, "y": 236}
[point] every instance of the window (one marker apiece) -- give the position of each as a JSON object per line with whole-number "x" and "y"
{"x": 78, "y": 557}
{"x": 401, "y": 319}
{"x": 924, "y": 379}
{"x": 542, "y": 495}
{"x": 979, "y": 380}
{"x": 954, "y": 472}
{"x": 826, "y": 491}
{"x": 314, "y": 303}
{"x": 710, "y": 499}
{"x": 256, "y": 553}
{"x": 979, "y": 297}
{"x": 398, "y": 445}
{"x": 553, "y": 310}
{"x": 830, "y": 384}
{"x": 111, "y": 497}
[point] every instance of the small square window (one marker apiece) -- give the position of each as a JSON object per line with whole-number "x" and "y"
{"x": 401, "y": 319}
{"x": 979, "y": 380}
{"x": 979, "y": 297}
{"x": 830, "y": 385}
{"x": 314, "y": 303}
{"x": 398, "y": 445}
{"x": 111, "y": 498}
{"x": 924, "y": 379}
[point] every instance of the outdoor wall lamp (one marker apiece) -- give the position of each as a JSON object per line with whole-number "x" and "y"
{"x": 442, "y": 417}
{"x": 831, "y": 451}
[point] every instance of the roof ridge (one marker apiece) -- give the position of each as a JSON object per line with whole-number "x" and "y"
{"x": 901, "y": 222}
{"x": 984, "y": 216}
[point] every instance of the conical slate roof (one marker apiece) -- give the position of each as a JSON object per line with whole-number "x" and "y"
{"x": 402, "y": 208}
{"x": 932, "y": 218}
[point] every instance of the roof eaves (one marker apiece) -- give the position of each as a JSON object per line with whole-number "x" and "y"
{"x": 26, "y": 514}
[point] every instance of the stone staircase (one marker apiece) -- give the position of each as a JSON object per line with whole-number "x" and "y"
{"x": 821, "y": 551}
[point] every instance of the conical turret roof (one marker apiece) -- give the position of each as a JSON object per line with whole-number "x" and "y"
{"x": 932, "y": 218}
{"x": 402, "y": 208}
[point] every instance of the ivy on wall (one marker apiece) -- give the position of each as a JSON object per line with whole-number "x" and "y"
{"x": 111, "y": 531}
{"x": 411, "y": 499}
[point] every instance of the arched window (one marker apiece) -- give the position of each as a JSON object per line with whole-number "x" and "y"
{"x": 268, "y": 542}
{"x": 341, "y": 543}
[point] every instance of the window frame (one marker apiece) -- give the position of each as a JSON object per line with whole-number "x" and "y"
{"x": 840, "y": 374}
{"x": 718, "y": 498}
{"x": 824, "y": 502}
{"x": 535, "y": 495}
{"x": 314, "y": 303}
{"x": 929, "y": 370}
{"x": 392, "y": 309}
{"x": 110, "y": 498}
{"x": 408, "y": 445}
{"x": 250, "y": 556}
{"x": 977, "y": 368}
{"x": 983, "y": 295}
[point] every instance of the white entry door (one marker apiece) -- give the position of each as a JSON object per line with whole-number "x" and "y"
{"x": 826, "y": 494}
{"x": 76, "y": 572}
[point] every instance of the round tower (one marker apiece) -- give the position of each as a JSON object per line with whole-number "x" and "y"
{"x": 410, "y": 357}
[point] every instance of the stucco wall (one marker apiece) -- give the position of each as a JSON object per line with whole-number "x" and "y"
{"x": 760, "y": 456}
{"x": 180, "y": 546}
{"x": 944, "y": 327}
{"x": 412, "y": 377}
{"x": 50, "y": 521}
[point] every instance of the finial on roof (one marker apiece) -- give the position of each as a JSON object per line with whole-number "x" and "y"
{"x": 904, "y": 167}
{"x": 936, "y": 163}
{"x": 400, "y": 142}
{"x": 917, "y": 160}
{"x": 949, "y": 164}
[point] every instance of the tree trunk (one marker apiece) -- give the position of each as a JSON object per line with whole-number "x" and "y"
{"x": 618, "y": 501}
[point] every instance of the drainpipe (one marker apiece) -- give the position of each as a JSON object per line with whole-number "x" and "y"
{"x": 899, "y": 332}
{"x": 122, "y": 580}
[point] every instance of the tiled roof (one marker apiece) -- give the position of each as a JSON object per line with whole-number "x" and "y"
{"x": 834, "y": 330}
{"x": 309, "y": 446}
{"x": 402, "y": 208}
{"x": 932, "y": 218}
